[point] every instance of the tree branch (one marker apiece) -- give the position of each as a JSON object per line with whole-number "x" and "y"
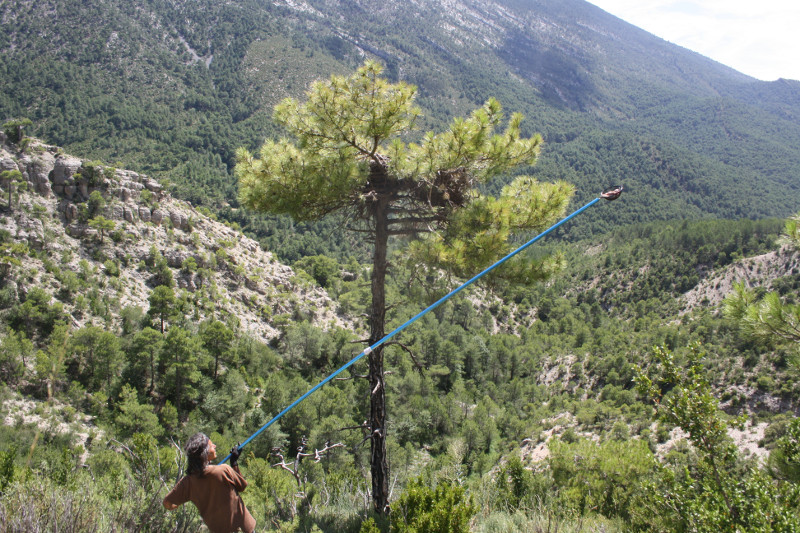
{"x": 360, "y": 376}
{"x": 408, "y": 351}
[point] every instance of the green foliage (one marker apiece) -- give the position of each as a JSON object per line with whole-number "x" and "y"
{"x": 767, "y": 317}
{"x": 142, "y": 353}
{"x": 35, "y": 315}
{"x": 715, "y": 495}
{"x": 784, "y": 461}
{"x": 162, "y": 273}
{"x": 16, "y": 352}
{"x": 163, "y": 305}
{"x": 324, "y": 270}
{"x": 443, "y": 509}
{"x": 183, "y": 357}
{"x": 14, "y": 182}
{"x": 95, "y": 358}
{"x": 369, "y": 526}
{"x": 217, "y": 339}
{"x": 603, "y": 478}
{"x": 516, "y": 486}
{"x": 102, "y": 225}
{"x": 96, "y": 203}
{"x": 350, "y": 154}
{"x": 226, "y": 405}
{"x": 14, "y": 129}
{"x": 480, "y": 233}
{"x": 7, "y": 468}
{"x": 189, "y": 265}
{"x": 94, "y": 172}
{"x": 791, "y": 232}
{"x": 135, "y": 417}
{"x": 270, "y": 492}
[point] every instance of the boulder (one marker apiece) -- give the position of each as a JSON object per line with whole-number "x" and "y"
{"x": 175, "y": 258}
{"x": 39, "y": 168}
{"x": 179, "y": 220}
{"x": 44, "y": 189}
{"x": 75, "y": 230}
{"x": 64, "y": 169}
{"x": 144, "y": 214}
{"x": 152, "y": 185}
{"x": 187, "y": 283}
{"x": 6, "y": 163}
{"x": 127, "y": 175}
{"x": 6, "y": 160}
{"x": 70, "y": 211}
{"x": 157, "y": 216}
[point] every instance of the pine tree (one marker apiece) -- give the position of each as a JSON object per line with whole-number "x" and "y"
{"x": 349, "y": 154}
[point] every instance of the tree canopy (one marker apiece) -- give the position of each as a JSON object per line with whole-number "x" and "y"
{"x": 350, "y": 152}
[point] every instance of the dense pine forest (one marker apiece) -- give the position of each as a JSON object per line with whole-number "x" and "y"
{"x": 637, "y": 372}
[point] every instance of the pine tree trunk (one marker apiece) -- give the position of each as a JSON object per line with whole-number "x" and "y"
{"x": 379, "y": 465}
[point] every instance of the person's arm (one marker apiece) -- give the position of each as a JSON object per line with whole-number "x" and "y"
{"x": 176, "y": 496}
{"x": 237, "y": 480}
{"x": 169, "y": 505}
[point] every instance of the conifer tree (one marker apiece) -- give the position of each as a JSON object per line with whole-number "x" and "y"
{"x": 349, "y": 154}
{"x": 775, "y": 320}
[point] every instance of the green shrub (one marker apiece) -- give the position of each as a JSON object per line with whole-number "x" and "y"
{"x": 7, "y": 467}
{"x": 112, "y": 268}
{"x": 14, "y": 129}
{"x": 602, "y": 478}
{"x": 514, "y": 486}
{"x": 422, "y": 509}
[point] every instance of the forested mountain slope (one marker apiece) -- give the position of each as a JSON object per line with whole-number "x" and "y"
{"x": 174, "y": 87}
{"x": 129, "y": 320}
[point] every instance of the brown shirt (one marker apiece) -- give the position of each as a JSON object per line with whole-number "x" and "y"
{"x": 216, "y": 496}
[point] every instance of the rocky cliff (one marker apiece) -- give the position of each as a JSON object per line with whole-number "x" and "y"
{"x": 123, "y": 233}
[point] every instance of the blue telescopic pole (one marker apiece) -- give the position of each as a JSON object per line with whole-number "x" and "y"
{"x": 414, "y": 319}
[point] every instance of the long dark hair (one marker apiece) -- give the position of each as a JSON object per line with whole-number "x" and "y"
{"x": 196, "y": 454}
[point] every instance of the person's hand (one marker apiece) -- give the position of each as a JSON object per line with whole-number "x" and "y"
{"x": 235, "y": 452}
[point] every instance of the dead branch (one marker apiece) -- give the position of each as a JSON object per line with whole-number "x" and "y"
{"x": 360, "y": 376}
{"x": 294, "y": 466}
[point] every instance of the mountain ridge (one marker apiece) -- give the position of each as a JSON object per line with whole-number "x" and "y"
{"x": 173, "y": 88}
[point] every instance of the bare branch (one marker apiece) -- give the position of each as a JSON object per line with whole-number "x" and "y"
{"x": 364, "y": 426}
{"x": 319, "y": 454}
{"x": 360, "y": 376}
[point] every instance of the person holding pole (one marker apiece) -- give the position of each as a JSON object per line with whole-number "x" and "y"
{"x": 213, "y": 489}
